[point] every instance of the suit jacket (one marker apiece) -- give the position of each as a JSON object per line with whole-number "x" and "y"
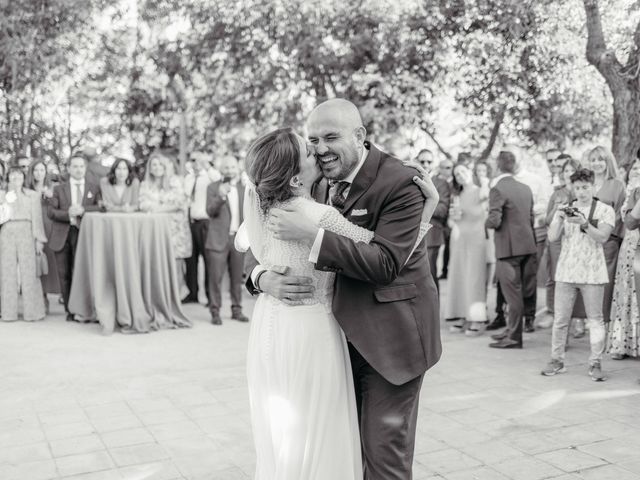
{"x": 220, "y": 216}
{"x": 511, "y": 215}
{"x": 58, "y": 210}
{"x": 435, "y": 235}
{"x": 385, "y": 302}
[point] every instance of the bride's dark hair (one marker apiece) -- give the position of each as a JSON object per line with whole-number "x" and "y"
{"x": 271, "y": 162}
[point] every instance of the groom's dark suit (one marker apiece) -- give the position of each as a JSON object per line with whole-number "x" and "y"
{"x": 387, "y": 305}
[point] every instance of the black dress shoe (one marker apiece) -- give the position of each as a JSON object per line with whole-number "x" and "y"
{"x": 189, "y": 299}
{"x": 528, "y": 325}
{"x": 239, "y": 317}
{"x": 499, "y": 336}
{"x": 498, "y": 322}
{"x": 71, "y": 317}
{"x": 506, "y": 343}
{"x": 216, "y": 320}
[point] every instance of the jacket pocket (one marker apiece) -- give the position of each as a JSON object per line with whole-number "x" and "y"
{"x": 396, "y": 293}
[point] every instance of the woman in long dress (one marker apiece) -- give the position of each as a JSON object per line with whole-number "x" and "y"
{"x": 467, "y": 283}
{"x": 162, "y": 192}
{"x": 21, "y": 238}
{"x": 39, "y": 180}
{"x": 301, "y": 391}
{"x": 624, "y": 331}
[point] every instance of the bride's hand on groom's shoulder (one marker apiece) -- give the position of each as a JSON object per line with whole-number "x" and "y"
{"x": 290, "y": 224}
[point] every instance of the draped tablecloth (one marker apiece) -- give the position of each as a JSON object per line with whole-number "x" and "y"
{"x": 125, "y": 273}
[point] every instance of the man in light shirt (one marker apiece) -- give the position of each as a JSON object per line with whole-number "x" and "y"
{"x": 224, "y": 208}
{"x": 195, "y": 184}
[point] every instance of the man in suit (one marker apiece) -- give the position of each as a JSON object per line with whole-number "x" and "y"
{"x": 385, "y": 298}
{"x": 511, "y": 215}
{"x": 445, "y": 173}
{"x": 435, "y": 236}
{"x": 224, "y": 207}
{"x": 68, "y": 204}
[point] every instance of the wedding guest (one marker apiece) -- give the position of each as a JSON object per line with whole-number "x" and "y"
{"x": 195, "y": 186}
{"x": 584, "y": 226}
{"x": 21, "y": 239}
{"x": 482, "y": 175}
{"x": 224, "y": 207}
{"x": 608, "y": 188}
{"x": 70, "y": 201}
{"x": 624, "y": 331}
{"x": 162, "y": 192}
{"x": 95, "y": 170}
{"x": 435, "y": 236}
{"x": 40, "y": 181}
{"x": 120, "y": 189}
{"x": 445, "y": 172}
{"x": 511, "y": 216}
{"x": 551, "y": 155}
{"x": 561, "y": 196}
{"x": 23, "y": 162}
{"x": 466, "y": 303}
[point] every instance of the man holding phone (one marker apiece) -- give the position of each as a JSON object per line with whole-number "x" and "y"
{"x": 224, "y": 208}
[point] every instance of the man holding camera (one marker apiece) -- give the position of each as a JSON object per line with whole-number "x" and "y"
{"x": 584, "y": 225}
{"x": 224, "y": 208}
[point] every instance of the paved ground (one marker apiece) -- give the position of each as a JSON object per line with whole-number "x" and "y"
{"x": 173, "y": 405}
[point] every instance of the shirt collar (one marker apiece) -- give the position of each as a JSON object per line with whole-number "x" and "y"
{"x": 351, "y": 177}
{"x": 77, "y": 182}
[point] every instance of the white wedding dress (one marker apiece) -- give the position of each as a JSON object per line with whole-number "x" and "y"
{"x": 303, "y": 409}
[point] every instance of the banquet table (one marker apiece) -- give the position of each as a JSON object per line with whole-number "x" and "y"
{"x": 125, "y": 273}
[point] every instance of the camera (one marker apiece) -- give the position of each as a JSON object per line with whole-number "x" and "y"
{"x": 227, "y": 179}
{"x": 570, "y": 211}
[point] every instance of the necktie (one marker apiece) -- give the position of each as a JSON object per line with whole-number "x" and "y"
{"x": 78, "y": 194}
{"x": 338, "y": 199}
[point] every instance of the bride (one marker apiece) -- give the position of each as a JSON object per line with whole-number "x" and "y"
{"x": 301, "y": 392}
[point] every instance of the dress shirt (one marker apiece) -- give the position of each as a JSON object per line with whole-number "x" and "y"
{"x": 73, "y": 184}
{"x": 197, "y": 196}
{"x": 234, "y": 206}
{"x": 315, "y": 248}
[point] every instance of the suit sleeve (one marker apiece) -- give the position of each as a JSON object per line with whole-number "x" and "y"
{"x": 214, "y": 201}
{"x": 441, "y": 211}
{"x": 496, "y": 204}
{"x": 54, "y": 212}
{"x": 380, "y": 261}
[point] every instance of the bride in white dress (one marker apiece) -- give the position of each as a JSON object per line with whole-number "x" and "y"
{"x": 301, "y": 393}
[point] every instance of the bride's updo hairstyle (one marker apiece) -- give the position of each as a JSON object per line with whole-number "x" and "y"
{"x": 271, "y": 162}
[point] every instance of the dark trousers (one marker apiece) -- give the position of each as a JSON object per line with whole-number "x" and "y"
{"x": 219, "y": 261}
{"x": 553, "y": 254}
{"x": 387, "y": 415}
{"x": 199, "y": 230}
{"x": 64, "y": 263}
{"x": 445, "y": 254}
{"x": 517, "y": 281}
{"x": 432, "y": 252}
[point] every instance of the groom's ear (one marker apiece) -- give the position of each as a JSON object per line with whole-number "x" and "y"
{"x": 360, "y": 133}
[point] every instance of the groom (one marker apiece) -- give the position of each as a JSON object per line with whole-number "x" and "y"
{"x": 385, "y": 299}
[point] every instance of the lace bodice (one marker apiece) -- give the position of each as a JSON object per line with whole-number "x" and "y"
{"x": 295, "y": 255}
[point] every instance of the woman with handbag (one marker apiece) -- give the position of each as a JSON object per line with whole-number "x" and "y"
{"x": 39, "y": 180}
{"x": 22, "y": 239}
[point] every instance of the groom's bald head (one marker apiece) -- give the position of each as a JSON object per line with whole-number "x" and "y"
{"x": 335, "y": 128}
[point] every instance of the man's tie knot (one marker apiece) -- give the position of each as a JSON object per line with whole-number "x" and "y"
{"x": 338, "y": 199}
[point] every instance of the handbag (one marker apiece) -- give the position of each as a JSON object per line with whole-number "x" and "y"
{"x": 42, "y": 264}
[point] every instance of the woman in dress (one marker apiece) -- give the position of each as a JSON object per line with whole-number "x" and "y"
{"x": 301, "y": 390}
{"x": 467, "y": 299}
{"x": 610, "y": 190}
{"x": 482, "y": 175}
{"x": 21, "y": 239}
{"x": 624, "y": 334}
{"x": 40, "y": 181}
{"x": 120, "y": 188}
{"x": 162, "y": 192}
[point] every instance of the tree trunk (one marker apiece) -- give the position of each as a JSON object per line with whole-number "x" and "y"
{"x": 623, "y": 82}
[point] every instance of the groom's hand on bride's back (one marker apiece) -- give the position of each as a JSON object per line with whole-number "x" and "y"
{"x": 291, "y": 289}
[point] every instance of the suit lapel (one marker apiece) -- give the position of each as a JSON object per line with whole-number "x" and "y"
{"x": 67, "y": 192}
{"x": 364, "y": 178}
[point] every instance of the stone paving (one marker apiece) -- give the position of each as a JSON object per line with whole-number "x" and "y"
{"x": 75, "y": 404}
